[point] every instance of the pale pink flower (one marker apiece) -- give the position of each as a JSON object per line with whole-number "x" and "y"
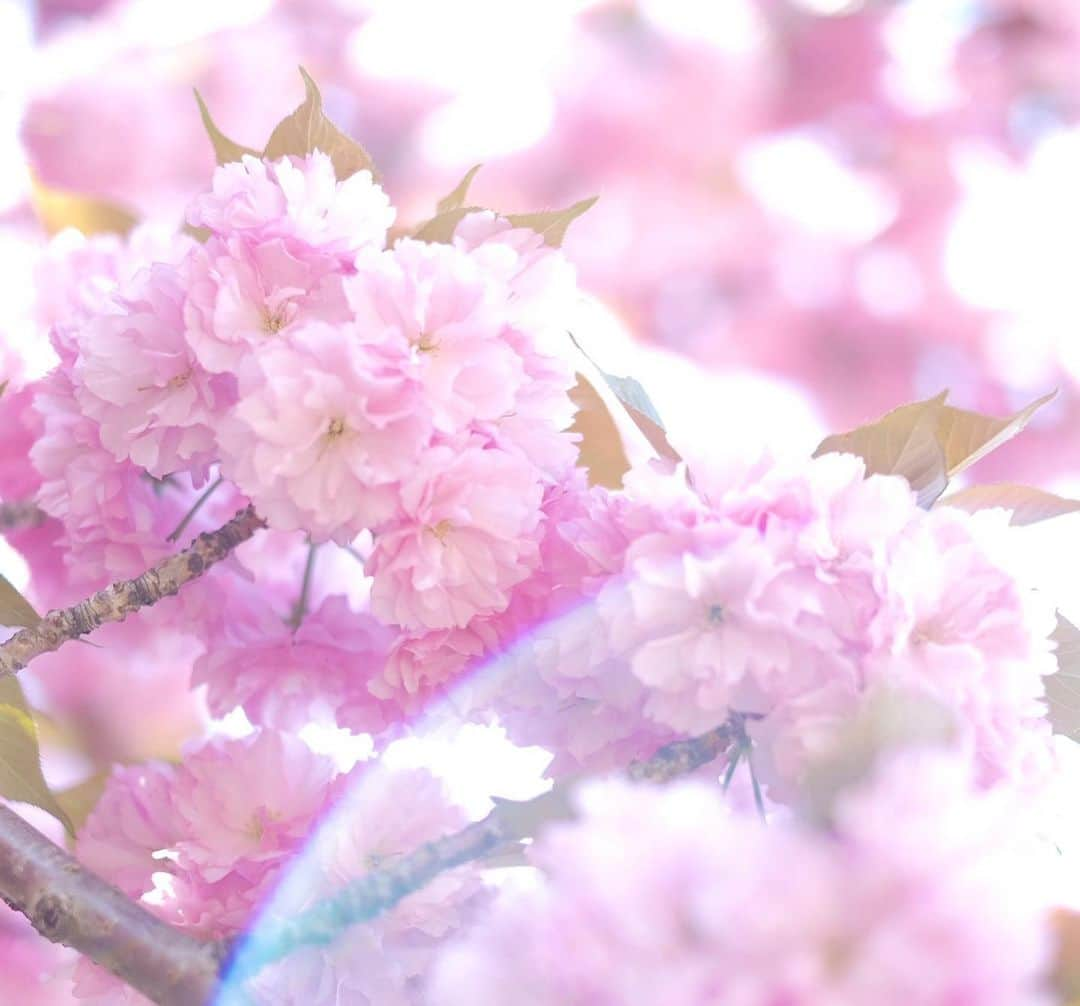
{"x": 538, "y": 425}
{"x": 115, "y": 524}
{"x": 450, "y": 315}
{"x": 466, "y": 537}
{"x": 138, "y": 379}
{"x": 957, "y": 624}
{"x": 296, "y": 199}
{"x": 244, "y": 805}
{"x": 134, "y": 819}
{"x": 241, "y": 296}
{"x": 542, "y": 281}
{"x": 386, "y": 813}
{"x": 76, "y": 276}
{"x": 665, "y": 895}
{"x": 286, "y": 678}
{"x": 205, "y": 843}
{"x": 324, "y": 428}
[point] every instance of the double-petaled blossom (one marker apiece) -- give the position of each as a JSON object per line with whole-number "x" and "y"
{"x": 205, "y": 843}
{"x": 138, "y": 379}
{"x": 325, "y": 427}
{"x": 465, "y": 538}
{"x": 287, "y": 677}
{"x": 296, "y": 200}
{"x": 451, "y": 316}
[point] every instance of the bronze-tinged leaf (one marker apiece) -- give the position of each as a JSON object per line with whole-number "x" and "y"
{"x": 639, "y": 408}
{"x": 14, "y": 608}
{"x": 20, "y": 759}
{"x": 1063, "y": 687}
{"x": 552, "y": 225}
{"x": 78, "y": 801}
{"x": 456, "y": 199}
{"x": 57, "y": 209}
{"x": 1028, "y": 505}
{"x": 1065, "y": 973}
{"x": 967, "y": 437}
{"x": 600, "y": 450}
{"x": 200, "y": 234}
{"x": 903, "y": 442}
{"x": 440, "y": 228}
{"x": 225, "y": 150}
{"x": 309, "y": 129}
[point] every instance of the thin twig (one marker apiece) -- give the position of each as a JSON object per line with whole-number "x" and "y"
{"x": 381, "y": 889}
{"x": 116, "y": 602}
{"x": 300, "y": 609}
{"x": 733, "y": 763}
{"x": 69, "y": 904}
{"x": 195, "y": 508}
{"x": 759, "y": 802}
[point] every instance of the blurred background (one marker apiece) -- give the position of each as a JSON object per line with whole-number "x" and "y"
{"x": 829, "y": 207}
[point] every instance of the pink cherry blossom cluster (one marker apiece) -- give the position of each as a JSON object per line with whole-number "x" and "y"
{"x": 204, "y": 844}
{"x": 667, "y": 896}
{"x": 786, "y": 594}
{"x": 340, "y": 386}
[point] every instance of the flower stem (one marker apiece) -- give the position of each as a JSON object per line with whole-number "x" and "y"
{"x": 300, "y": 609}
{"x": 179, "y": 529}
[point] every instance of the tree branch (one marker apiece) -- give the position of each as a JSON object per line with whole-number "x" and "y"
{"x": 19, "y": 515}
{"x": 68, "y": 904}
{"x": 116, "y": 602}
{"x": 510, "y": 821}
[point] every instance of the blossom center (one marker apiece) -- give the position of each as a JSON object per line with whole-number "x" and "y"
{"x": 275, "y": 321}
{"x": 426, "y": 343}
{"x": 180, "y": 380}
{"x": 441, "y": 530}
{"x": 336, "y": 428}
{"x": 714, "y": 614}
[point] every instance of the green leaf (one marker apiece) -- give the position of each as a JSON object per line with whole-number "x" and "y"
{"x": 552, "y": 225}
{"x": 456, "y": 199}
{"x": 14, "y": 608}
{"x": 1063, "y": 688}
{"x": 967, "y": 437}
{"x": 1028, "y": 505}
{"x": 903, "y": 442}
{"x": 58, "y": 208}
{"x": 21, "y": 778}
{"x": 78, "y": 801}
{"x": 309, "y": 129}
{"x": 225, "y": 150}
{"x": 600, "y": 449}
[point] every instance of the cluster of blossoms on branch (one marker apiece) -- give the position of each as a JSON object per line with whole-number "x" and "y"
{"x": 404, "y": 414}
